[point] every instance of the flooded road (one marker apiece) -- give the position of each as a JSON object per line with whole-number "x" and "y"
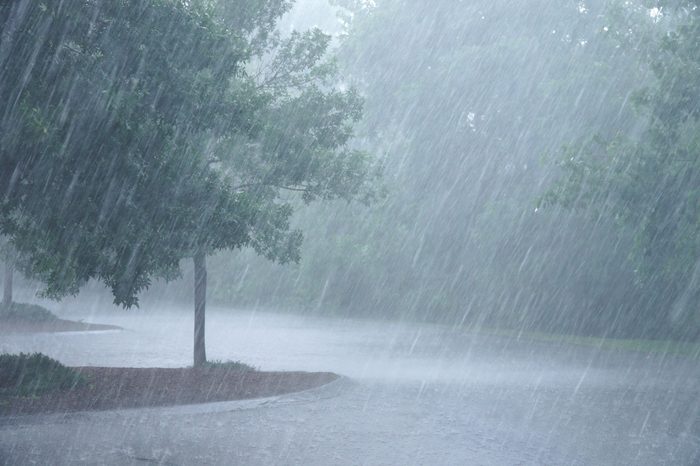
{"x": 412, "y": 394}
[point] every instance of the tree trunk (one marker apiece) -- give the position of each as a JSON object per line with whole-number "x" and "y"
{"x": 7, "y": 285}
{"x": 200, "y": 299}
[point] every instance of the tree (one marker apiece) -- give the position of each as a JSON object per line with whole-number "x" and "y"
{"x": 142, "y": 132}
{"x": 649, "y": 184}
{"x": 301, "y": 146}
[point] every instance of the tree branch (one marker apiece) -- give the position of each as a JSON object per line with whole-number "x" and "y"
{"x": 299, "y": 188}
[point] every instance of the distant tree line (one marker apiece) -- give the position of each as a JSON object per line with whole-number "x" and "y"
{"x": 495, "y": 119}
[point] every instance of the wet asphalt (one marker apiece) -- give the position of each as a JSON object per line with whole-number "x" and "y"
{"x": 410, "y": 394}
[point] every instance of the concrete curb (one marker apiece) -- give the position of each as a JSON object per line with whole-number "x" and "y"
{"x": 322, "y": 392}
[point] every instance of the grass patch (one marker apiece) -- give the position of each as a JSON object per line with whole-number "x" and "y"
{"x": 34, "y": 374}
{"x": 26, "y": 312}
{"x": 682, "y": 348}
{"x": 230, "y": 365}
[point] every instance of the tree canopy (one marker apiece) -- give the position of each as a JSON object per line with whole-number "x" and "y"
{"x": 650, "y": 183}
{"x": 139, "y": 132}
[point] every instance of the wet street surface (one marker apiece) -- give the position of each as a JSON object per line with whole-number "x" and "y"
{"x": 411, "y": 394}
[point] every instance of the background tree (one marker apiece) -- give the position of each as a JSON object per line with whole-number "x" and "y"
{"x": 469, "y": 103}
{"x": 649, "y": 183}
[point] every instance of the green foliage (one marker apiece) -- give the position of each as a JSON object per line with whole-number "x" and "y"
{"x": 26, "y": 312}
{"x": 660, "y": 347}
{"x": 95, "y": 141}
{"x": 34, "y": 374}
{"x": 140, "y": 133}
{"x": 649, "y": 184}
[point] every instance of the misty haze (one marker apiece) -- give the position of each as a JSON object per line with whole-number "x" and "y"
{"x": 323, "y": 232}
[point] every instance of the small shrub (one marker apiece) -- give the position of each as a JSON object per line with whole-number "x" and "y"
{"x": 34, "y": 374}
{"x": 26, "y": 312}
{"x": 231, "y": 365}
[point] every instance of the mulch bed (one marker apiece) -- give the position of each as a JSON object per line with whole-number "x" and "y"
{"x": 50, "y": 326}
{"x": 116, "y": 387}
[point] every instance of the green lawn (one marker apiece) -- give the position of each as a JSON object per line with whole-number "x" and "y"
{"x": 688, "y": 349}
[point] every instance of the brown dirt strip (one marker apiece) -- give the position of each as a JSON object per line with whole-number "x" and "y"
{"x": 117, "y": 388}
